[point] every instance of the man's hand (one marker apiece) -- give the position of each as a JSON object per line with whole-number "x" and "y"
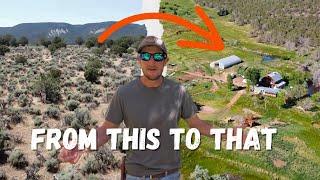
{"x": 71, "y": 156}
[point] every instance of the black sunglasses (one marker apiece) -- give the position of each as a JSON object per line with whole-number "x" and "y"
{"x": 145, "y": 56}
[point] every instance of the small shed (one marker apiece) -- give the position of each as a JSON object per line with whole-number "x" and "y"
{"x": 226, "y": 62}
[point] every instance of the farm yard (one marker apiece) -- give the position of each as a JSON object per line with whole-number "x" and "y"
{"x": 228, "y": 101}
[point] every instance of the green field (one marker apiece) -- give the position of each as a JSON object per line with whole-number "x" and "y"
{"x": 297, "y": 144}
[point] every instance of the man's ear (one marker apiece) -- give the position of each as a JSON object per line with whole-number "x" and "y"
{"x": 166, "y": 61}
{"x": 139, "y": 61}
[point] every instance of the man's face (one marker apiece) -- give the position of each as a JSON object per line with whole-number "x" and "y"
{"x": 152, "y": 69}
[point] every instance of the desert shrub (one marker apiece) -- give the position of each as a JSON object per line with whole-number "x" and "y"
{"x": 74, "y": 96}
{"x": 3, "y": 175}
{"x": 23, "y": 100}
{"x": 108, "y": 82}
{"x": 53, "y": 112}
{"x": 4, "y": 140}
{"x": 80, "y": 66}
{"x": 69, "y": 118}
{"x": 52, "y": 165}
{"x": 98, "y": 51}
{"x": 34, "y": 111}
{"x": 83, "y": 118}
{"x": 102, "y": 161}
{"x": 32, "y": 172}
{"x": 72, "y": 105}
{"x": 86, "y": 88}
{"x": 90, "y": 166}
{"x": 70, "y": 174}
{"x": 21, "y": 60}
{"x": 16, "y": 138}
{"x": 15, "y": 115}
{"x": 87, "y": 98}
{"x": 19, "y": 92}
{"x": 17, "y": 159}
{"x": 4, "y": 121}
{"x": 130, "y": 51}
{"x": 3, "y": 50}
{"x": 37, "y": 121}
{"x": 23, "y": 80}
{"x": 118, "y": 50}
{"x": 93, "y": 177}
{"x": 55, "y": 73}
{"x": 68, "y": 83}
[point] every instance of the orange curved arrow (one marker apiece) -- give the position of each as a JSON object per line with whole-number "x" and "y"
{"x": 214, "y": 41}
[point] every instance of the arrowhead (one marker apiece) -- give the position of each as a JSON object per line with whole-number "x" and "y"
{"x": 214, "y": 41}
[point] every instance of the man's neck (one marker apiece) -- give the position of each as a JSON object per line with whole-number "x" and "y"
{"x": 151, "y": 83}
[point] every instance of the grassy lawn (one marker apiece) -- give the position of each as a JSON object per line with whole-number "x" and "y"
{"x": 297, "y": 143}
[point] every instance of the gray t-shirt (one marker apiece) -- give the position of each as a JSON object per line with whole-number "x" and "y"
{"x": 143, "y": 107}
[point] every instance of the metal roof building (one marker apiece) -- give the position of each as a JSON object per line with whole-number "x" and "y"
{"x": 275, "y": 76}
{"x": 226, "y": 62}
{"x": 266, "y": 91}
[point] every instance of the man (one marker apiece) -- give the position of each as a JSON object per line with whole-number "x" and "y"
{"x": 150, "y": 101}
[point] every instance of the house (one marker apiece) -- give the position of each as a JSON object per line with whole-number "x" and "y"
{"x": 270, "y": 85}
{"x": 266, "y": 91}
{"x": 272, "y": 80}
{"x": 226, "y": 62}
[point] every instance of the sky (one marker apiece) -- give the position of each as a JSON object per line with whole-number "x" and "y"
{"x": 14, "y": 12}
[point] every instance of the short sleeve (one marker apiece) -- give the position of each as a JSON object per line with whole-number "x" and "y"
{"x": 188, "y": 108}
{"x": 115, "y": 110}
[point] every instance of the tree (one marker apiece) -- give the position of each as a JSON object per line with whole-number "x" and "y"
{"x": 56, "y": 44}
{"x": 98, "y": 51}
{"x": 229, "y": 82}
{"x": 23, "y": 41}
{"x": 119, "y": 50}
{"x": 79, "y": 41}
{"x": 253, "y": 74}
{"x": 92, "y": 69}
{"x": 44, "y": 42}
{"x": 109, "y": 43}
{"x": 5, "y": 40}
{"x": 3, "y": 49}
{"x": 48, "y": 85}
{"x": 295, "y": 94}
{"x": 13, "y": 42}
{"x": 91, "y": 41}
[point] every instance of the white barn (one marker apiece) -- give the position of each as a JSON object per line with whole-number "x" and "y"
{"x": 226, "y": 62}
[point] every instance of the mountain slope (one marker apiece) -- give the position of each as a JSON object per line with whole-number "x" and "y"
{"x": 35, "y": 31}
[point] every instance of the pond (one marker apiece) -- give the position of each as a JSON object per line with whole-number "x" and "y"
{"x": 267, "y": 58}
